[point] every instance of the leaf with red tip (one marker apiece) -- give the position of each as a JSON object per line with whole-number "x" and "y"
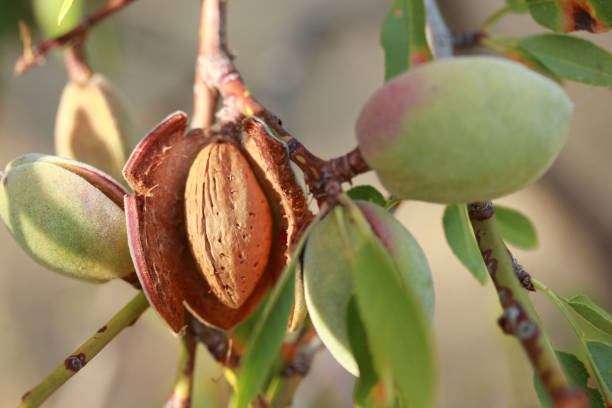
{"x": 594, "y": 16}
{"x": 403, "y": 37}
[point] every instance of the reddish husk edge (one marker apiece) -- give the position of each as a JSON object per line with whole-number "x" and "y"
{"x": 157, "y": 171}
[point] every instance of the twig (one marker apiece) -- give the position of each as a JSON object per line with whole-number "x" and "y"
{"x": 81, "y": 356}
{"x": 217, "y": 343}
{"x": 76, "y": 62}
{"x": 204, "y": 97}
{"x": 294, "y": 373}
{"x": 183, "y": 384}
{"x": 519, "y": 317}
{"x": 217, "y": 69}
{"x": 37, "y": 55}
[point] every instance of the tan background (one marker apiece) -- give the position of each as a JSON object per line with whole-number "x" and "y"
{"x": 314, "y": 63}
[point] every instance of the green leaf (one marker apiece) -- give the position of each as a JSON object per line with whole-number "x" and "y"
{"x": 591, "y": 312}
{"x": 526, "y": 58}
{"x": 400, "y": 343}
{"x": 562, "y": 16}
{"x": 578, "y": 376}
{"x": 461, "y": 240}
{"x": 359, "y": 346}
{"x": 601, "y": 356}
{"x": 572, "y": 58}
{"x": 265, "y": 342}
{"x": 518, "y": 6}
{"x": 403, "y": 37}
{"x": 267, "y": 336}
{"x": 515, "y": 228}
{"x": 64, "y": 10}
{"x": 367, "y": 193}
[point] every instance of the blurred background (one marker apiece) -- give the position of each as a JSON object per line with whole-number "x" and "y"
{"x": 314, "y": 63}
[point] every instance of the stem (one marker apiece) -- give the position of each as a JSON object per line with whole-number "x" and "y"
{"x": 39, "y": 53}
{"x": 81, "y": 356}
{"x": 183, "y": 384}
{"x": 76, "y": 62}
{"x": 495, "y": 17}
{"x": 217, "y": 343}
{"x": 285, "y": 385}
{"x": 520, "y": 318}
{"x": 204, "y": 97}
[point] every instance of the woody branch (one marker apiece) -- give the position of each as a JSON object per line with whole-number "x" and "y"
{"x": 215, "y": 67}
{"x": 37, "y": 54}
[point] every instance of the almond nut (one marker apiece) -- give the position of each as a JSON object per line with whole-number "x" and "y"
{"x": 228, "y": 222}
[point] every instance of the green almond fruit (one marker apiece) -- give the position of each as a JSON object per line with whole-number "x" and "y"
{"x": 68, "y": 216}
{"x": 94, "y": 126}
{"x": 328, "y": 279}
{"x": 463, "y": 129}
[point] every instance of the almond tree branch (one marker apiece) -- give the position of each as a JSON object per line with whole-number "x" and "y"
{"x": 204, "y": 97}
{"x": 81, "y": 356}
{"x": 183, "y": 384}
{"x": 216, "y": 68}
{"x": 217, "y": 343}
{"x": 519, "y": 317}
{"x": 38, "y": 54}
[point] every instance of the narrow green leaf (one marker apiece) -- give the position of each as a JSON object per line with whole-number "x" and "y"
{"x": 400, "y": 342}
{"x": 367, "y": 193}
{"x": 265, "y": 342}
{"x": 515, "y": 228}
{"x": 64, "y": 10}
{"x": 359, "y": 346}
{"x": 403, "y": 37}
{"x": 461, "y": 240}
{"x": 578, "y": 376}
{"x": 594, "y": 16}
{"x": 267, "y": 336}
{"x": 601, "y": 356}
{"x": 572, "y": 58}
{"x": 591, "y": 312}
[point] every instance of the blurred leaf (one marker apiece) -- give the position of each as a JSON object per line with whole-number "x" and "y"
{"x": 267, "y": 336}
{"x": 572, "y": 58}
{"x": 367, "y": 193}
{"x": 518, "y": 6}
{"x": 461, "y": 240}
{"x": 564, "y": 16}
{"x": 591, "y": 312}
{"x": 526, "y": 58}
{"x": 515, "y": 228}
{"x": 400, "y": 343}
{"x": 578, "y": 376}
{"x": 403, "y": 37}
{"x": 359, "y": 346}
{"x": 601, "y": 355}
{"x": 64, "y": 10}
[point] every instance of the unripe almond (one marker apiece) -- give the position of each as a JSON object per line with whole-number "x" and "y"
{"x": 328, "y": 280}
{"x": 93, "y": 125}
{"x": 68, "y": 216}
{"x": 228, "y": 222}
{"x": 463, "y": 129}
